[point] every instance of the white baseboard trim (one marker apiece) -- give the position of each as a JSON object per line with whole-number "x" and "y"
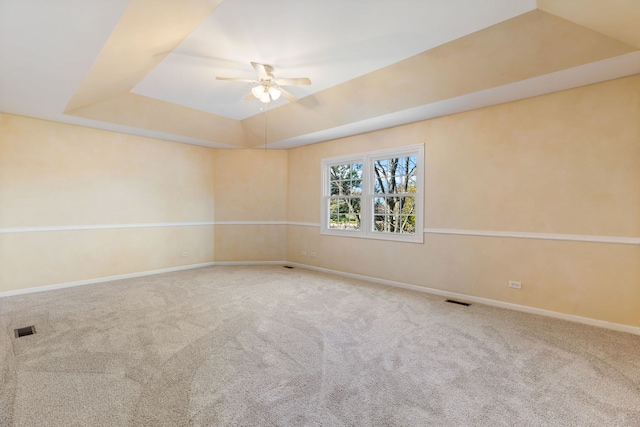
{"x": 467, "y": 298}
{"x": 251, "y": 263}
{"x": 522, "y": 308}
{"x": 250, "y": 223}
{"x": 132, "y": 275}
{"x": 101, "y": 279}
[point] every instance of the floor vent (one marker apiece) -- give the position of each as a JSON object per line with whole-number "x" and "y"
{"x": 23, "y": 332}
{"x": 452, "y": 301}
{"x": 287, "y": 266}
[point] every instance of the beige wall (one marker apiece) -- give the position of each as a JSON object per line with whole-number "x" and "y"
{"x": 565, "y": 163}
{"x": 58, "y": 175}
{"x": 251, "y": 187}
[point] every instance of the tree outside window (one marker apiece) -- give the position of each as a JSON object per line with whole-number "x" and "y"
{"x": 346, "y": 192}
{"x": 394, "y": 202}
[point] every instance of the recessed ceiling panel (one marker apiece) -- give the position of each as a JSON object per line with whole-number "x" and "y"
{"x": 330, "y": 42}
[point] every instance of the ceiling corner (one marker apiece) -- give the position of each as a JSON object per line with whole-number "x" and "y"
{"x": 618, "y": 19}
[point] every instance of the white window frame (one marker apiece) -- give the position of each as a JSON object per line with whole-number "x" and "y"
{"x": 366, "y": 215}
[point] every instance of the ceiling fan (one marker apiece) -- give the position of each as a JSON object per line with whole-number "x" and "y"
{"x": 269, "y": 87}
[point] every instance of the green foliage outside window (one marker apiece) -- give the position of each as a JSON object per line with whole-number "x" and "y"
{"x": 346, "y": 191}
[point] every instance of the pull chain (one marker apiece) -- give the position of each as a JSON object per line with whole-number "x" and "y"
{"x": 264, "y": 110}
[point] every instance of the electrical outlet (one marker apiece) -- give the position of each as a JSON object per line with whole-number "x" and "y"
{"x": 185, "y": 253}
{"x": 515, "y": 285}
{"x": 303, "y": 253}
{"x": 313, "y": 254}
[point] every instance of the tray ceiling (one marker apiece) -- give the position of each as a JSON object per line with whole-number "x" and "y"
{"x": 148, "y": 67}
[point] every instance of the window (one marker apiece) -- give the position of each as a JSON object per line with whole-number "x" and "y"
{"x": 345, "y": 200}
{"x": 374, "y": 195}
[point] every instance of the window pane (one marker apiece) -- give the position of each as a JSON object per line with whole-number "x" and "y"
{"x": 356, "y": 171}
{"x": 412, "y": 183}
{"x": 334, "y": 212}
{"x": 379, "y": 222}
{"x": 401, "y": 204}
{"x": 335, "y": 188}
{"x": 346, "y": 171}
{"x": 394, "y": 214}
{"x": 356, "y": 186}
{"x": 380, "y": 206}
{"x": 336, "y": 172}
{"x": 382, "y": 164}
{"x": 392, "y": 204}
{"x": 406, "y": 165}
{"x": 393, "y": 176}
{"x": 402, "y": 183}
{"x": 408, "y": 224}
{"x": 410, "y": 173}
{"x": 346, "y": 179}
{"x": 384, "y": 176}
{"x": 394, "y": 223}
{"x": 378, "y": 186}
{"x": 344, "y": 214}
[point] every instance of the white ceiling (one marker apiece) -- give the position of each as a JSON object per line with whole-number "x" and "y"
{"x": 48, "y": 47}
{"x": 330, "y": 42}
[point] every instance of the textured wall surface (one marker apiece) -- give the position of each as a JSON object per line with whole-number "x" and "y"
{"x": 63, "y": 176}
{"x": 251, "y": 205}
{"x": 565, "y": 163}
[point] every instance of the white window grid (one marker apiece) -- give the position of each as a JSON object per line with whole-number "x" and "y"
{"x": 368, "y": 196}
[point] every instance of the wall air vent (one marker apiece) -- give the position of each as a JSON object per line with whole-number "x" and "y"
{"x": 452, "y": 301}
{"x": 23, "y": 332}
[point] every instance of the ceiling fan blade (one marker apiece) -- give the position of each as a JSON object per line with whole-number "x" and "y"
{"x": 249, "y": 97}
{"x": 299, "y": 81}
{"x": 262, "y": 70}
{"x": 233, "y": 79}
{"x": 287, "y": 95}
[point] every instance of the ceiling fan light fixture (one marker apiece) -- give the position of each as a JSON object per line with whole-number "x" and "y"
{"x": 257, "y": 91}
{"x": 269, "y": 88}
{"x": 275, "y": 93}
{"x": 265, "y": 97}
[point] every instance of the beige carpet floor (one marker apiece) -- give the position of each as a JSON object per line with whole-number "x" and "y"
{"x": 270, "y": 346}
